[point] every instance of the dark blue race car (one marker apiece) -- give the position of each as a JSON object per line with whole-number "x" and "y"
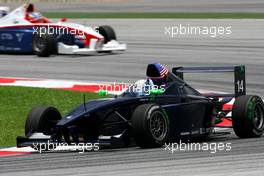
{"x": 151, "y": 117}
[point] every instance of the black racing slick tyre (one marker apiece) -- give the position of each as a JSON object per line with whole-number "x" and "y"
{"x": 150, "y": 126}
{"x": 248, "y": 116}
{"x": 44, "y": 45}
{"x": 108, "y": 33}
{"x": 42, "y": 119}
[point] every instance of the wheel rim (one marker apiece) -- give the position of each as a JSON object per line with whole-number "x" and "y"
{"x": 158, "y": 125}
{"x": 39, "y": 44}
{"x": 258, "y": 118}
{"x": 49, "y": 127}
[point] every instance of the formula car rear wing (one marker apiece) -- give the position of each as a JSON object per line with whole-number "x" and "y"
{"x": 239, "y": 75}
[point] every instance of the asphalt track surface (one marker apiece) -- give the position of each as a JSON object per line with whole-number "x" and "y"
{"x": 148, "y": 43}
{"x": 245, "y": 158}
{"x": 149, "y": 6}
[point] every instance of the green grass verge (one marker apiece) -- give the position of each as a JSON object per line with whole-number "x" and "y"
{"x": 16, "y": 102}
{"x": 154, "y": 15}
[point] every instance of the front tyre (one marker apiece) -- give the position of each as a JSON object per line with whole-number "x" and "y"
{"x": 42, "y": 119}
{"x": 248, "y": 116}
{"x": 150, "y": 126}
{"x": 108, "y": 33}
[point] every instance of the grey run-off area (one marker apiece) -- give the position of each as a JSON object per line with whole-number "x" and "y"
{"x": 245, "y": 158}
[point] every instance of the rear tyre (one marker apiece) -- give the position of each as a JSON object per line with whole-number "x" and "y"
{"x": 150, "y": 126}
{"x": 248, "y": 116}
{"x": 42, "y": 119}
{"x": 44, "y": 45}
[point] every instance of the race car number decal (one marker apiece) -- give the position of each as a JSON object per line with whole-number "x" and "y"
{"x": 240, "y": 86}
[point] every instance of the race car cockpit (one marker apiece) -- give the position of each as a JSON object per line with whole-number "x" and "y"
{"x": 160, "y": 81}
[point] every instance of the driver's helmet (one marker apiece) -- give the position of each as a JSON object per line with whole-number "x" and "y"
{"x": 30, "y": 8}
{"x": 143, "y": 86}
{"x": 157, "y": 73}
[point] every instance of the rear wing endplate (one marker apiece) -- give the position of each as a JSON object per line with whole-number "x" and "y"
{"x": 239, "y": 75}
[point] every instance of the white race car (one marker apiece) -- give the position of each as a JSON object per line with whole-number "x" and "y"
{"x": 26, "y": 31}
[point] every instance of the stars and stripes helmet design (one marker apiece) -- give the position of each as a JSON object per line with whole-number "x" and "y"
{"x": 156, "y": 71}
